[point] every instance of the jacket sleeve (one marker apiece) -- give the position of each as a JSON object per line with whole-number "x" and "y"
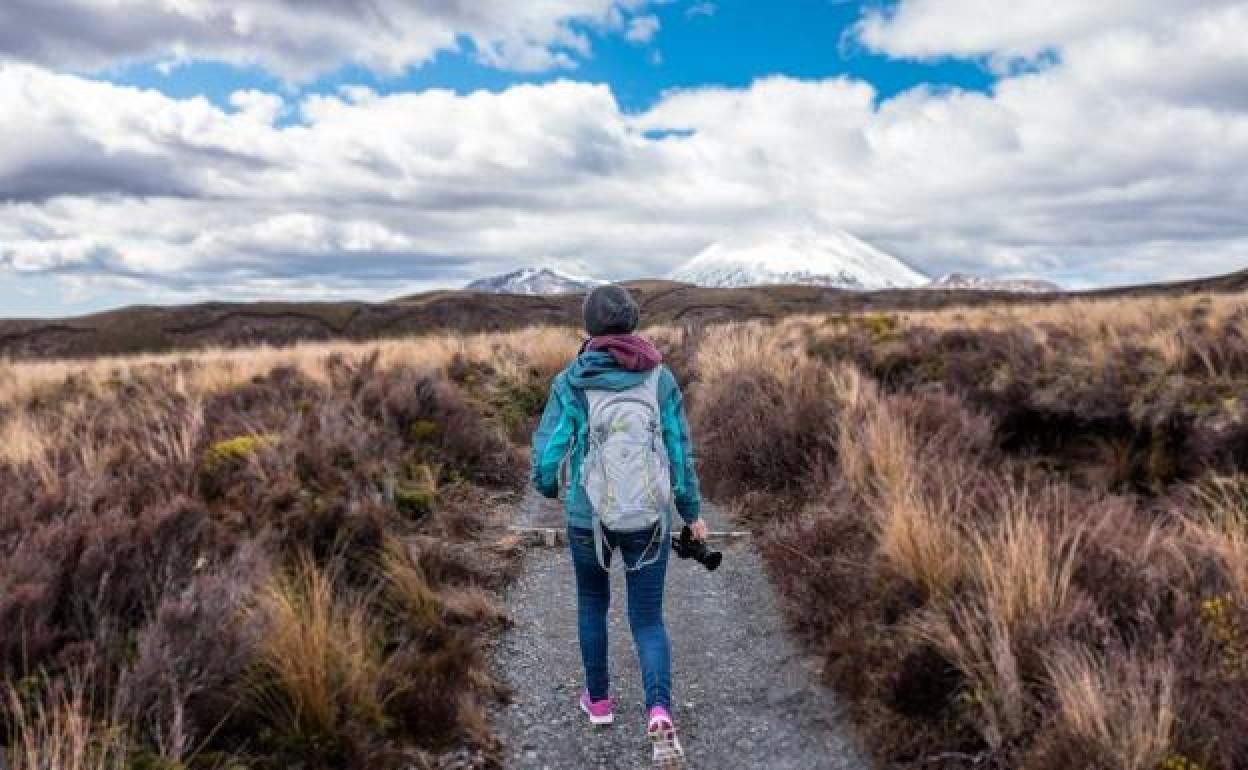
{"x": 551, "y": 441}
{"x": 685, "y": 488}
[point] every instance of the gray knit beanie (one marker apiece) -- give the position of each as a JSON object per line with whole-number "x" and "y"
{"x": 610, "y": 309}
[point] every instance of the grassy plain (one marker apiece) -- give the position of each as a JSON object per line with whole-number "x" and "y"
{"x": 1016, "y": 532}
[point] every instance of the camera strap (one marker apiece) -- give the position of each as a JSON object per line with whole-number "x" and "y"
{"x": 659, "y": 532}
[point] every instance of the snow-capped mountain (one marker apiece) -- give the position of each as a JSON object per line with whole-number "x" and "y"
{"x": 980, "y": 283}
{"x": 533, "y": 280}
{"x": 833, "y": 258}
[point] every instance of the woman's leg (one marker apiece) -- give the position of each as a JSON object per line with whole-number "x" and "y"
{"x": 593, "y": 597}
{"x": 645, "y": 616}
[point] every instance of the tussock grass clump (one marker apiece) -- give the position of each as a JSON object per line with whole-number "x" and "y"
{"x": 1221, "y": 526}
{"x": 1115, "y": 709}
{"x": 339, "y": 672}
{"x": 320, "y": 663}
{"x": 54, "y": 725}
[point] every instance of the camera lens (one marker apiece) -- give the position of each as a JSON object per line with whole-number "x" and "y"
{"x": 688, "y": 548}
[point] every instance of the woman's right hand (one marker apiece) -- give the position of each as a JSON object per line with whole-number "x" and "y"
{"x": 698, "y": 529}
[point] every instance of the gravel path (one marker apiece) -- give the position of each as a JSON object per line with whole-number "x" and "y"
{"x": 744, "y": 696}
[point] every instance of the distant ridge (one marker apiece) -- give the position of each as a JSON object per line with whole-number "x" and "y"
{"x": 831, "y": 258}
{"x": 146, "y": 329}
{"x": 980, "y": 283}
{"x": 533, "y": 281}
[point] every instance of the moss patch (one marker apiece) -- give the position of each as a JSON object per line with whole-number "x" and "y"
{"x": 235, "y": 451}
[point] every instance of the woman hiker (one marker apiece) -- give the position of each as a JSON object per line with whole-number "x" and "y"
{"x": 616, "y": 417}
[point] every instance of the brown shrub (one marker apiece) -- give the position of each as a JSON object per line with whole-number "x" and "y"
{"x": 141, "y": 512}
{"x": 759, "y": 430}
{"x": 976, "y": 589}
{"x": 189, "y": 659}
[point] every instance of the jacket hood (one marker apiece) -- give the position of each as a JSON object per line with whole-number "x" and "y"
{"x": 631, "y": 351}
{"x": 598, "y": 370}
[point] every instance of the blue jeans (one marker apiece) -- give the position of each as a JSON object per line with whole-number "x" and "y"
{"x": 645, "y": 611}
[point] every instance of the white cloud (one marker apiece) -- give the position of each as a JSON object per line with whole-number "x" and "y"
{"x": 701, "y": 9}
{"x": 1123, "y": 161}
{"x": 642, "y": 29}
{"x": 299, "y": 39}
{"x": 262, "y": 107}
{"x": 1027, "y": 28}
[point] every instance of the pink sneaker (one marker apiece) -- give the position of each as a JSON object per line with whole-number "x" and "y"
{"x": 599, "y": 711}
{"x": 668, "y": 753}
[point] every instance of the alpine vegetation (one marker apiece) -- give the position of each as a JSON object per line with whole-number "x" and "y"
{"x": 259, "y": 558}
{"x": 1016, "y": 534}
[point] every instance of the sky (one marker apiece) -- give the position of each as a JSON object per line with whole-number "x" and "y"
{"x": 168, "y": 151}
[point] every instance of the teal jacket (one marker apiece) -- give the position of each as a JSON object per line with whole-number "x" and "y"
{"x": 564, "y": 428}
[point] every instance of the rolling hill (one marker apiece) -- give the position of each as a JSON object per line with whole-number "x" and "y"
{"x": 153, "y": 329}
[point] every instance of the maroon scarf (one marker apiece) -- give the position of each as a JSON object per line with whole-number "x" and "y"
{"x": 630, "y": 351}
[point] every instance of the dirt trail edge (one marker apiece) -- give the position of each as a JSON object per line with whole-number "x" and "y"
{"x": 744, "y": 696}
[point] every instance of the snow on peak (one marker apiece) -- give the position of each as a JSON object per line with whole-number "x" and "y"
{"x": 826, "y": 258}
{"x": 534, "y": 281}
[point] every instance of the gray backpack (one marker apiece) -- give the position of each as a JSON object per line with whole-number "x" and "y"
{"x": 626, "y": 475}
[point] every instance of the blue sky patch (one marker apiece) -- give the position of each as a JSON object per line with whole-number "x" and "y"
{"x": 729, "y": 43}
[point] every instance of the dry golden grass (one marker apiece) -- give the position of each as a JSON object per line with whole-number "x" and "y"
{"x": 1092, "y": 317}
{"x": 28, "y": 439}
{"x": 877, "y": 449}
{"x": 321, "y": 660}
{"x": 915, "y": 513}
{"x": 404, "y": 583}
{"x": 752, "y": 345}
{"x": 173, "y": 435}
{"x": 541, "y": 351}
{"x": 56, "y": 727}
{"x": 1121, "y": 710}
{"x": 174, "y": 460}
{"x": 1024, "y": 565}
{"x": 25, "y": 442}
{"x": 781, "y": 420}
{"x": 921, "y": 540}
{"x": 1104, "y": 325}
{"x": 1222, "y": 527}
{"x": 982, "y": 647}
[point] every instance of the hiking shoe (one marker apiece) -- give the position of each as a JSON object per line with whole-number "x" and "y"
{"x": 668, "y": 754}
{"x": 599, "y": 711}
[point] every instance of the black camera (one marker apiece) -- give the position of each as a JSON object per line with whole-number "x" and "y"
{"x": 688, "y": 548}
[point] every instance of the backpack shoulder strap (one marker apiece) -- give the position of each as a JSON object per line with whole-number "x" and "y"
{"x": 651, "y": 382}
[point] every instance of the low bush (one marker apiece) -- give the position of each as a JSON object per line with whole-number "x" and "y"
{"x": 1017, "y": 541}
{"x": 271, "y": 570}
